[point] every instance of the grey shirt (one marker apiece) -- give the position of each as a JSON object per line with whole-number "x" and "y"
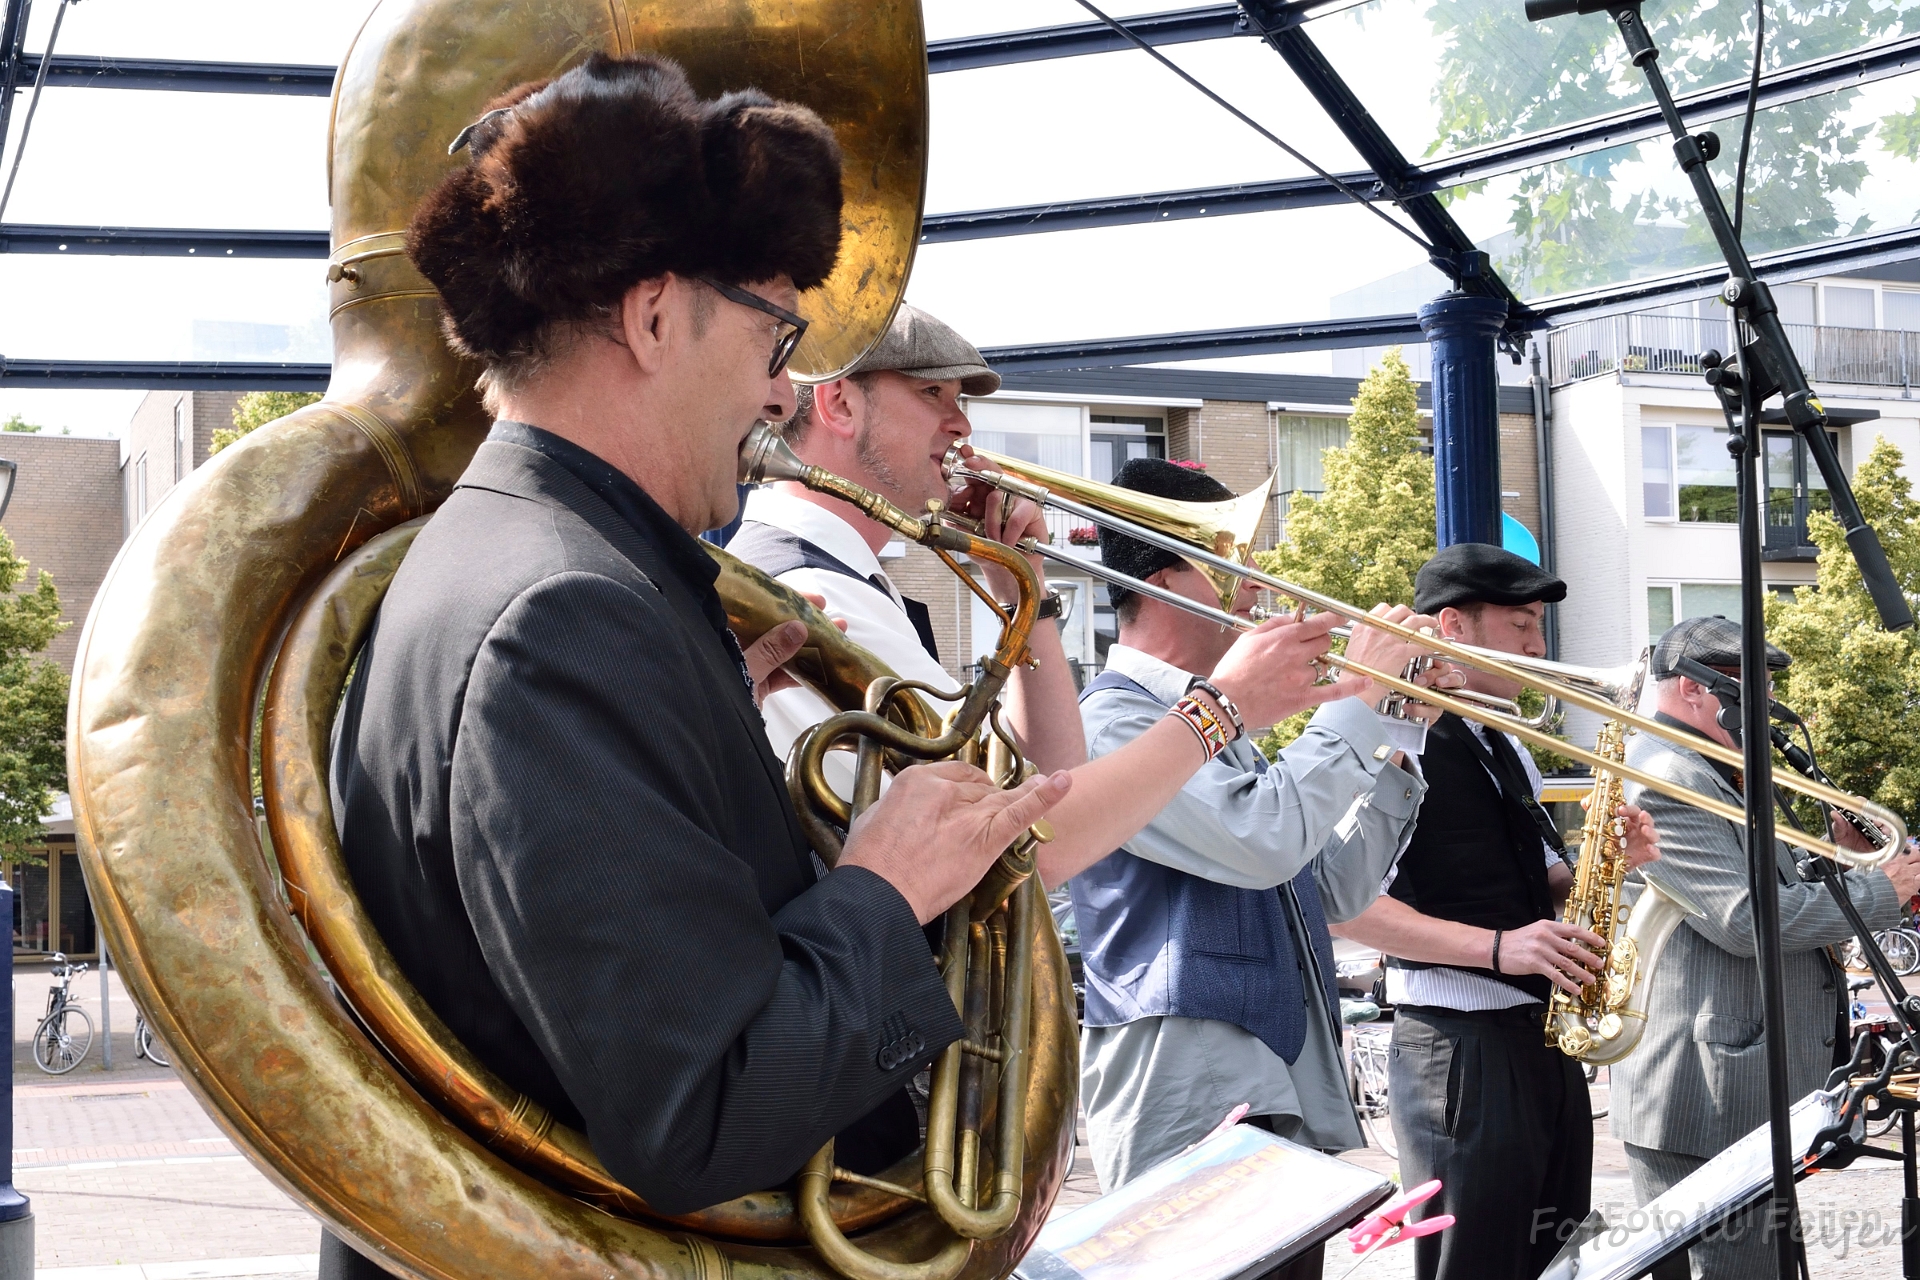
{"x": 1333, "y": 802}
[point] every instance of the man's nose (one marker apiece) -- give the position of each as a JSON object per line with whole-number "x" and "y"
{"x": 780, "y": 400}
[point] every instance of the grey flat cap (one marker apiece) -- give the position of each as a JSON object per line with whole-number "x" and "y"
{"x": 920, "y": 346}
{"x": 1711, "y": 642}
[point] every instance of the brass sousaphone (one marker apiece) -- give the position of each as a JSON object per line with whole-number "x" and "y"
{"x": 270, "y": 561}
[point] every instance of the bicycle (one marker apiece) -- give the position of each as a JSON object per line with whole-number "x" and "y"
{"x": 1901, "y": 945}
{"x": 1367, "y": 1056}
{"x": 144, "y": 1044}
{"x": 66, "y": 1032}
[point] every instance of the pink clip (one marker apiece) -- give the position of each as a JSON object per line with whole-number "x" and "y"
{"x": 1233, "y": 1118}
{"x": 1388, "y": 1225}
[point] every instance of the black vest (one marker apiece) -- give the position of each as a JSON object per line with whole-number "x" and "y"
{"x": 1475, "y": 856}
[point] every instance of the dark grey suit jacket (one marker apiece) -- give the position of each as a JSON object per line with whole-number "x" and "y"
{"x": 1697, "y": 1082}
{"x": 557, "y": 800}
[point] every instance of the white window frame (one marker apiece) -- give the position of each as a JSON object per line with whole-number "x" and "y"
{"x": 1673, "y": 497}
{"x": 1869, "y": 286}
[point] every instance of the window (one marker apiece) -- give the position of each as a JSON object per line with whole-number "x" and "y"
{"x": 1695, "y": 483}
{"x": 1847, "y": 308}
{"x": 1703, "y": 476}
{"x": 1114, "y": 442}
{"x": 140, "y": 488}
{"x": 1902, "y": 307}
{"x": 1300, "y": 445}
{"x": 1656, "y": 472}
{"x": 1795, "y": 488}
{"x": 1040, "y": 433}
{"x": 179, "y": 440}
{"x": 1668, "y": 603}
{"x": 1794, "y": 302}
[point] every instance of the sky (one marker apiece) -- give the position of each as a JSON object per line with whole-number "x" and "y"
{"x": 1105, "y": 125}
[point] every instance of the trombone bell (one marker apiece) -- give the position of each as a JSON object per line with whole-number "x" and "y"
{"x": 1226, "y": 528}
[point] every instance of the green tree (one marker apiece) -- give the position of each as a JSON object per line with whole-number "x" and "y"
{"x": 19, "y": 425}
{"x": 257, "y": 409}
{"x": 33, "y": 707}
{"x": 1857, "y": 685}
{"x": 1368, "y": 533}
{"x": 1582, "y": 221}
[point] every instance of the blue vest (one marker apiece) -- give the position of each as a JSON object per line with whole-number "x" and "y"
{"x": 1161, "y": 943}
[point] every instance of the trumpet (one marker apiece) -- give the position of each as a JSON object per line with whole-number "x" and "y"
{"x": 1217, "y": 538}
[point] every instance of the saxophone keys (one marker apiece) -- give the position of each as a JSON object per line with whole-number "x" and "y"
{"x": 1611, "y": 1026}
{"x": 1619, "y": 988}
{"x": 1576, "y": 1041}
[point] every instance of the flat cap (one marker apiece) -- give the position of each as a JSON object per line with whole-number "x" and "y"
{"x": 920, "y": 346}
{"x": 1711, "y": 642}
{"x": 1481, "y": 573}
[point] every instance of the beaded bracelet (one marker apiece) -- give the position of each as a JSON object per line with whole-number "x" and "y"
{"x": 1205, "y": 725}
{"x": 1222, "y": 704}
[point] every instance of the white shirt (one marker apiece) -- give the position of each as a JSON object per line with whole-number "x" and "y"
{"x": 1447, "y": 988}
{"x": 877, "y": 623}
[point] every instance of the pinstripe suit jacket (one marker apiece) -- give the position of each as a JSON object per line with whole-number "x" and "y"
{"x": 558, "y": 803}
{"x": 1697, "y": 1081}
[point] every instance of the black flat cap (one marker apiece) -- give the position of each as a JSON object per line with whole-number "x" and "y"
{"x": 1163, "y": 480}
{"x": 1712, "y": 642}
{"x": 1481, "y": 573}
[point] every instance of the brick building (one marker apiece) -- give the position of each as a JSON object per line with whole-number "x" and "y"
{"x": 171, "y": 433}
{"x": 65, "y": 518}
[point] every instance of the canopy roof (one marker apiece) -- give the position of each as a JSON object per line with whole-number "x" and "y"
{"x": 1085, "y": 206}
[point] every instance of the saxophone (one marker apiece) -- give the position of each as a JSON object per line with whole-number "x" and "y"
{"x": 1603, "y": 1024}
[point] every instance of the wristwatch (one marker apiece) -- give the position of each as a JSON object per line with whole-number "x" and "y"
{"x": 1050, "y": 606}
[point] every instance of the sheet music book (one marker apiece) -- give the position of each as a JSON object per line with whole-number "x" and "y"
{"x": 1238, "y": 1204}
{"x": 1737, "y": 1177}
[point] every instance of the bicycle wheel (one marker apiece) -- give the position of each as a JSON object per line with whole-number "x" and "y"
{"x": 149, "y": 1048}
{"x": 1903, "y": 950}
{"x": 62, "y": 1040}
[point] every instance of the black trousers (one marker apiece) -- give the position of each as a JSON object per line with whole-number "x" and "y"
{"x": 341, "y": 1261}
{"x": 1483, "y": 1103}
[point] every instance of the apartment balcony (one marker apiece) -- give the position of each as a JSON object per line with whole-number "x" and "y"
{"x": 1654, "y": 342}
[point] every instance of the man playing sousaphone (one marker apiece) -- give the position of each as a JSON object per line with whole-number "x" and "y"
{"x": 552, "y": 784}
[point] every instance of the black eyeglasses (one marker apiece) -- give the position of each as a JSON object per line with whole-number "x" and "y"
{"x": 785, "y": 344}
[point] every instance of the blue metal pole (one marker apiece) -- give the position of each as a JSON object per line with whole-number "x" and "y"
{"x": 1461, "y": 329}
{"x": 16, "y": 1211}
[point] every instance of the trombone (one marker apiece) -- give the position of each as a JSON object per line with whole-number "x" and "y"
{"x": 1217, "y": 538}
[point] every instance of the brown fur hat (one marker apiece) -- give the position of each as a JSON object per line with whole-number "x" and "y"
{"x": 580, "y": 187}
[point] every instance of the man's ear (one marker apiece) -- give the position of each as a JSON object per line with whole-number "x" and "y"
{"x": 1452, "y": 622}
{"x": 650, "y": 313}
{"x": 837, "y": 407}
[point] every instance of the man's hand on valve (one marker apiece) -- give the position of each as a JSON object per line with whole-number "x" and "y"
{"x": 1372, "y": 647}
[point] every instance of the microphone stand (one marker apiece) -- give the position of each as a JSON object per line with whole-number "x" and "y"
{"x": 1766, "y": 365}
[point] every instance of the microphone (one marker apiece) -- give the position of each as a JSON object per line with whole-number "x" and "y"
{"x": 1541, "y": 10}
{"x": 1727, "y": 689}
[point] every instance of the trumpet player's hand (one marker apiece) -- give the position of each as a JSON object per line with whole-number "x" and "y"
{"x": 940, "y": 826}
{"x": 1904, "y": 870}
{"x": 1566, "y": 955}
{"x": 1372, "y": 647}
{"x": 1642, "y": 839}
{"x": 1271, "y": 671}
{"x": 768, "y": 656}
